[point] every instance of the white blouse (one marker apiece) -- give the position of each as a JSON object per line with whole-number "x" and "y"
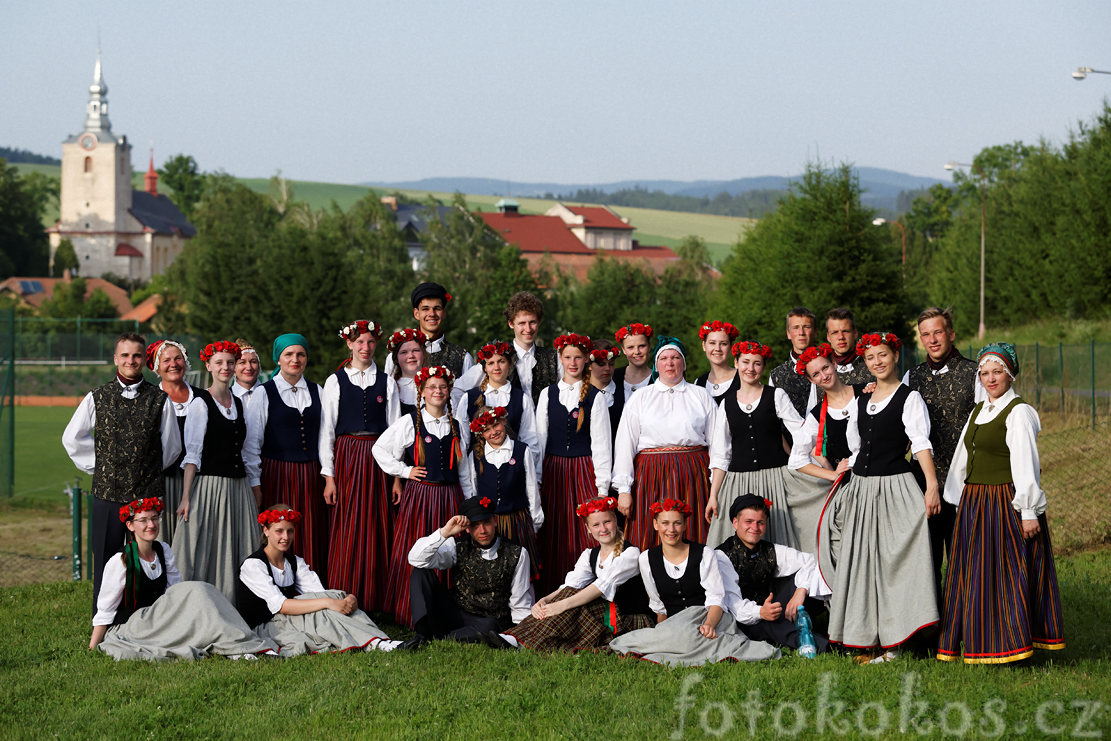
{"x": 916, "y": 422}
{"x": 255, "y": 575}
{"x": 709, "y": 573}
{"x": 806, "y": 437}
{"x": 196, "y": 424}
{"x": 1023, "y": 426}
{"x": 389, "y": 449}
{"x": 609, "y": 573}
{"x": 245, "y": 395}
{"x": 660, "y": 416}
{"x": 407, "y": 390}
{"x": 180, "y": 409}
{"x": 788, "y": 561}
{"x": 329, "y": 410}
{"x": 499, "y": 397}
{"x": 296, "y": 397}
{"x": 721, "y": 437}
{"x": 114, "y": 578}
{"x": 500, "y": 456}
{"x": 601, "y": 451}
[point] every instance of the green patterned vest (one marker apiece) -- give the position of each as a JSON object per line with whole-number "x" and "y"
{"x": 949, "y": 398}
{"x": 755, "y": 568}
{"x": 783, "y": 376}
{"x": 484, "y": 587}
{"x": 127, "y": 442}
{"x": 449, "y": 355}
{"x": 989, "y": 458}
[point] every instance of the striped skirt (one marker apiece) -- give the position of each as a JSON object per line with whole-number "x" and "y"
{"x": 301, "y": 486}
{"x": 174, "y": 486}
{"x": 1001, "y": 597}
{"x": 567, "y": 483}
{"x": 424, "y": 507}
{"x": 659, "y": 473}
{"x": 361, "y": 524}
{"x": 517, "y": 526}
{"x": 579, "y": 628}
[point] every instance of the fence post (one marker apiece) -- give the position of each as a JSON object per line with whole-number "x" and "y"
{"x": 76, "y": 497}
{"x": 1061, "y": 368}
{"x": 1092, "y": 356}
{"x": 1037, "y": 373}
{"x": 89, "y": 540}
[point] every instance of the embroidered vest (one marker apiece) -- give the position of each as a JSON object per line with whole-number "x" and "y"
{"x": 858, "y": 375}
{"x": 565, "y": 437}
{"x": 449, "y": 355}
{"x": 757, "y": 436}
{"x": 223, "y": 440}
{"x": 361, "y": 410}
{"x": 883, "y": 439}
{"x": 437, "y": 454}
{"x": 949, "y": 398}
{"x": 686, "y": 591}
{"x": 252, "y": 607}
{"x": 505, "y": 485}
{"x": 291, "y": 435}
{"x": 127, "y": 443}
{"x": 989, "y": 458}
{"x": 148, "y": 589}
{"x": 783, "y": 376}
{"x": 484, "y": 587}
{"x": 756, "y": 568}
{"x": 630, "y": 597}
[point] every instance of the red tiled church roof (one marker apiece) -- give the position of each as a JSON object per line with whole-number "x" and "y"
{"x": 598, "y": 217}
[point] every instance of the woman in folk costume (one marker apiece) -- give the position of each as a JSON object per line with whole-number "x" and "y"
{"x": 406, "y": 350}
{"x": 170, "y": 362}
{"x": 662, "y": 446}
{"x": 686, "y": 590}
{"x": 574, "y": 427}
{"x": 1001, "y": 596}
{"x": 874, "y": 544}
{"x": 504, "y": 471}
{"x": 359, "y": 402}
{"x": 722, "y": 378}
{"x": 247, "y": 369}
{"x": 635, "y": 342}
{"x": 425, "y": 449}
{"x": 283, "y": 453}
{"x": 603, "y": 360}
{"x": 282, "y": 598}
{"x": 145, "y": 610}
{"x": 215, "y": 526}
{"x": 748, "y": 454}
{"x": 602, "y": 596}
{"x": 495, "y": 389}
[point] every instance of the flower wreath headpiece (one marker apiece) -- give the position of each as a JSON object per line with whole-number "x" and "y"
{"x": 751, "y": 347}
{"x": 154, "y": 353}
{"x": 212, "y": 348}
{"x": 600, "y": 356}
{"x": 812, "y": 353}
{"x": 434, "y": 371}
{"x": 631, "y": 329}
{"x": 358, "y": 327}
{"x": 149, "y": 504}
{"x": 718, "y": 326}
{"x": 271, "y": 516}
{"x": 671, "y": 505}
{"x": 875, "y": 339}
{"x": 490, "y": 349}
{"x": 401, "y": 336}
{"x": 580, "y": 341}
{"x": 488, "y": 418}
{"x": 602, "y": 504}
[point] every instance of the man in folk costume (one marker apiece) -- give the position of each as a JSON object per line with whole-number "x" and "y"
{"x": 136, "y": 438}
{"x": 430, "y": 302}
{"x": 800, "y": 331}
{"x": 841, "y": 335}
{"x": 947, "y": 383}
{"x": 491, "y": 590}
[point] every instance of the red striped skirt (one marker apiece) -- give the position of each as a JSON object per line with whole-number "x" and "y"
{"x": 361, "y": 524}
{"x": 659, "y": 473}
{"x": 517, "y": 526}
{"x": 1001, "y": 596}
{"x": 567, "y": 483}
{"x": 301, "y": 486}
{"x": 424, "y": 508}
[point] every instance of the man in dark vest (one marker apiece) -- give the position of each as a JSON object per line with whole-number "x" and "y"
{"x": 841, "y": 335}
{"x": 767, "y": 582}
{"x": 491, "y": 590}
{"x": 124, "y": 434}
{"x": 430, "y": 302}
{"x": 947, "y": 383}
{"x": 800, "y": 331}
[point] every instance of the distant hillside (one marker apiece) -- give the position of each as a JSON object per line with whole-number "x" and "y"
{"x": 30, "y": 158}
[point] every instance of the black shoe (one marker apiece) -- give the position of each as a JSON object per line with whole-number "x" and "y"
{"x": 494, "y": 640}
{"x": 415, "y": 643}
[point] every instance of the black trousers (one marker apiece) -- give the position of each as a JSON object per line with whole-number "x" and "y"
{"x": 783, "y": 632}
{"x": 941, "y": 537}
{"x": 107, "y": 534}
{"x": 436, "y": 614}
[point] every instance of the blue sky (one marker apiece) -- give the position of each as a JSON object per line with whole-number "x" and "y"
{"x": 571, "y": 92}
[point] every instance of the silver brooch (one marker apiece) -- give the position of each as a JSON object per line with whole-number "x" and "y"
{"x": 872, "y": 408}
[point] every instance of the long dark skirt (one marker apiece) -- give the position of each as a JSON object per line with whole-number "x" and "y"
{"x": 679, "y": 473}
{"x": 567, "y": 483}
{"x": 1001, "y": 596}
{"x": 585, "y": 627}
{"x": 301, "y": 486}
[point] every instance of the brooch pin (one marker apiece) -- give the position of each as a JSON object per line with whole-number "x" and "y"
{"x": 428, "y": 438}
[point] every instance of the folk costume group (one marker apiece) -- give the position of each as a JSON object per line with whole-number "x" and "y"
{"x": 681, "y": 523}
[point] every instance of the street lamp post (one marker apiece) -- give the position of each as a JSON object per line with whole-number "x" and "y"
{"x": 983, "y": 231}
{"x": 1082, "y": 73}
{"x": 881, "y": 221}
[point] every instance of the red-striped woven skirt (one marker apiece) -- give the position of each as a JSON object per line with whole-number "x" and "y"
{"x": 1001, "y": 596}
{"x": 301, "y": 486}
{"x": 567, "y": 483}
{"x": 424, "y": 507}
{"x": 659, "y": 473}
{"x": 361, "y": 524}
{"x": 517, "y": 526}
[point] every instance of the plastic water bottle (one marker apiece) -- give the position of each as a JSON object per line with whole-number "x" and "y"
{"x": 807, "y": 649}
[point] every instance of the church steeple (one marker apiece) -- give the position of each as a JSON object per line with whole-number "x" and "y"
{"x": 96, "y": 111}
{"x": 151, "y": 178}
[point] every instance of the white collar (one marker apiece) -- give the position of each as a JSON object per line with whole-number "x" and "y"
{"x": 663, "y": 388}
{"x": 353, "y": 371}
{"x": 1002, "y": 401}
{"x": 564, "y": 386}
{"x": 132, "y": 386}
{"x": 521, "y": 352}
{"x": 279, "y": 381}
{"x": 427, "y": 416}
{"x": 435, "y": 345}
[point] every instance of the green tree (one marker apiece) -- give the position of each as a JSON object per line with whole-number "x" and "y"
{"x": 24, "y": 248}
{"x": 69, "y": 301}
{"x": 65, "y": 258}
{"x": 616, "y": 292}
{"x": 185, "y": 179}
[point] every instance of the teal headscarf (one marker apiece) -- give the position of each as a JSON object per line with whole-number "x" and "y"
{"x": 1004, "y": 352}
{"x": 664, "y": 342}
{"x": 286, "y": 340}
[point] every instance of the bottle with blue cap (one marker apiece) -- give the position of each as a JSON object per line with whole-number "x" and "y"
{"x": 807, "y": 648}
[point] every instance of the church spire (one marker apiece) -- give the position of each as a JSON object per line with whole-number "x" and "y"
{"x": 151, "y": 178}
{"x": 96, "y": 111}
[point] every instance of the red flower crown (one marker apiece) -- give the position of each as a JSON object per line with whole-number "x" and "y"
{"x": 812, "y": 353}
{"x": 601, "y": 356}
{"x": 401, "y": 336}
{"x": 212, "y": 348}
{"x": 875, "y": 339}
{"x": 603, "y": 504}
{"x": 671, "y": 505}
{"x": 488, "y": 418}
{"x": 271, "y": 516}
{"x": 358, "y": 327}
{"x": 751, "y": 347}
{"x": 150, "y": 504}
{"x": 580, "y": 341}
{"x": 434, "y": 371}
{"x": 490, "y": 349}
{"x": 716, "y": 326}
{"x": 631, "y": 329}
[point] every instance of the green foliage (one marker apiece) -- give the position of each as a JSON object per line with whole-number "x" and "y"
{"x": 24, "y": 248}
{"x": 14, "y": 155}
{"x": 69, "y": 301}
{"x": 65, "y": 258}
{"x": 181, "y": 174}
{"x": 157, "y": 284}
{"x": 751, "y": 204}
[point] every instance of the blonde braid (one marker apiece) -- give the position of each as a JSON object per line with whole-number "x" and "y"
{"x": 582, "y": 394}
{"x": 619, "y": 544}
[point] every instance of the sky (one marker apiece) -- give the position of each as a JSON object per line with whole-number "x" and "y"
{"x": 566, "y": 92}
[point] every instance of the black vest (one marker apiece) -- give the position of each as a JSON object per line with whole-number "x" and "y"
{"x": 757, "y": 436}
{"x": 630, "y": 597}
{"x": 484, "y": 587}
{"x": 617, "y": 407}
{"x": 223, "y": 440}
{"x": 291, "y": 435}
{"x": 565, "y": 438}
{"x": 505, "y": 485}
{"x": 883, "y": 438}
{"x": 513, "y": 412}
{"x": 148, "y": 590}
{"x": 755, "y": 568}
{"x": 252, "y": 607}
{"x": 686, "y": 591}
{"x": 449, "y": 355}
{"x": 127, "y": 443}
{"x": 783, "y": 376}
{"x": 731, "y": 387}
{"x": 361, "y": 410}
{"x": 437, "y": 454}
{"x": 949, "y": 398}
{"x": 837, "y": 442}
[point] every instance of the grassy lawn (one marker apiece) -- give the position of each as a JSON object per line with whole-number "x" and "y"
{"x": 42, "y": 468}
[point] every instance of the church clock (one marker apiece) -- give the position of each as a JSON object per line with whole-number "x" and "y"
{"x": 87, "y": 142}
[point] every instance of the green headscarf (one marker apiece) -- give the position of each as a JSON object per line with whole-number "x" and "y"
{"x": 664, "y": 342}
{"x": 1004, "y": 352}
{"x": 286, "y": 340}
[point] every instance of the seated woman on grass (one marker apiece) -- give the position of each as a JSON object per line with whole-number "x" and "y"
{"x": 284, "y": 600}
{"x": 145, "y": 610}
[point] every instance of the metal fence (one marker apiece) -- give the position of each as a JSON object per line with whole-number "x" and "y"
{"x": 7, "y": 403}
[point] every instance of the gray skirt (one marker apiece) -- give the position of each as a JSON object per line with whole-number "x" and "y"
{"x": 171, "y": 498}
{"x": 191, "y": 620}
{"x": 321, "y": 631}
{"x": 222, "y": 530}
{"x": 874, "y": 552}
{"x": 787, "y": 490}
{"x": 677, "y": 642}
